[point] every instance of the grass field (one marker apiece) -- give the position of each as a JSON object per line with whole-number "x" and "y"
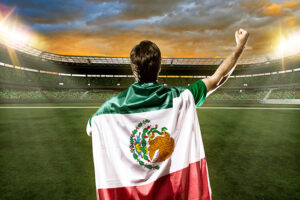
{"x": 251, "y": 154}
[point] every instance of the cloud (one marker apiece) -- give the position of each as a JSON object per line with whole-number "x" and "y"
{"x": 44, "y": 12}
{"x": 121, "y": 44}
{"x": 291, "y": 4}
{"x": 286, "y": 8}
{"x": 255, "y": 4}
{"x": 188, "y": 29}
{"x": 63, "y": 13}
{"x": 185, "y": 28}
{"x": 273, "y": 10}
{"x": 137, "y": 10}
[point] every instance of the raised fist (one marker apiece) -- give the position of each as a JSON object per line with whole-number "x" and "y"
{"x": 241, "y": 37}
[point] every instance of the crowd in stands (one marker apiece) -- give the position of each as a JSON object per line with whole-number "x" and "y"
{"x": 54, "y": 95}
{"x": 20, "y": 94}
{"x": 285, "y": 94}
{"x": 21, "y": 77}
{"x": 94, "y": 95}
{"x": 101, "y": 96}
{"x": 269, "y": 80}
{"x": 53, "y": 87}
{"x": 239, "y": 95}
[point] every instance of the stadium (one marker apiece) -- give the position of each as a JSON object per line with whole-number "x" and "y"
{"x": 37, "y": 76}
{"x": 250, "y": 126}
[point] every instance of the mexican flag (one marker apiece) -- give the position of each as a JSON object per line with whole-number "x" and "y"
{"x": 147, "y": 144}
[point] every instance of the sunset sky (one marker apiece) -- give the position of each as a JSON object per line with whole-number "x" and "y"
{"x": 180, "y": 28}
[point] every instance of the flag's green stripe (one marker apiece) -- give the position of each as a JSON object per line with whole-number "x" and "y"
{"x": 140, "y": 97}
{"x": 145, "y": 97}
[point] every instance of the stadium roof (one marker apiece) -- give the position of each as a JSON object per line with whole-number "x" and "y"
{"x": 122, "y": 60}
{"x": 31, "y": 58}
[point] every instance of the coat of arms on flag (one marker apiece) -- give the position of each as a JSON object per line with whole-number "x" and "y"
{"x": 149, "y": 145}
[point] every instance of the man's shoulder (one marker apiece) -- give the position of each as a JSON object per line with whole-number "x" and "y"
{"x": 108, "y": 105}
{"x": 137, "y": 99}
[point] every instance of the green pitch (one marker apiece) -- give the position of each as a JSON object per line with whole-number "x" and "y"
{"x": 251, "y": 154}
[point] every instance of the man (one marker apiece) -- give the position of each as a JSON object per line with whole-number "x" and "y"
{"x": 146, "y": 140}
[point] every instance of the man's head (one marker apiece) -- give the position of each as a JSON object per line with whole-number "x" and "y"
{"x": 145, "y": 61}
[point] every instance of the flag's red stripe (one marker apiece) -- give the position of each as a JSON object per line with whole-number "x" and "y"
{"x": 188, "y": 183}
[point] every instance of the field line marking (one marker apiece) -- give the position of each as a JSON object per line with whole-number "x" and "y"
{"x": 89, "y": 107}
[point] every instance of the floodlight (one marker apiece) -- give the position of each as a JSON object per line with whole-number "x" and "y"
{"x": 289, "y": 45}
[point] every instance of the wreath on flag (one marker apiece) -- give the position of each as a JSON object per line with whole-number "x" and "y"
{"x": 149, "y": 145}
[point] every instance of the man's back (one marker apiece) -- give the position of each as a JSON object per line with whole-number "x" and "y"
{"x": 146, "y": 141}
{"x": 147, "y": 144}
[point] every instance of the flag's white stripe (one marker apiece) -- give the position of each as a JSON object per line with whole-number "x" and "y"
{"x": 92, "y": 107}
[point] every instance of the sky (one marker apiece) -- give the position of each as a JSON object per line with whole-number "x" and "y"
{"x": 188, "y": 28}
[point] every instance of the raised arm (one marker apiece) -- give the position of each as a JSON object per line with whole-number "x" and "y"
{"x": 226, "y": 68}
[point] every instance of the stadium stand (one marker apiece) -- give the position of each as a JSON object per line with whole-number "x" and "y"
{"x": 285, "y": 94}
{"x": 28, "y": 74}
{"x": 11, "y": 94}
{"x": 17, "y": 76}
{"x": 239, "y": 95}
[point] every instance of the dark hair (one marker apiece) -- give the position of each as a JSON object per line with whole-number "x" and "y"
{"x": 145, "y": 61}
